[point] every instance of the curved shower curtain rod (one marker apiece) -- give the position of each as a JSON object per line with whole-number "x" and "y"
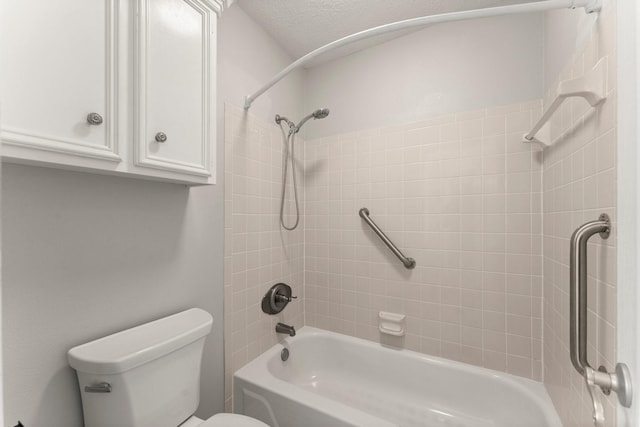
{"x": 590, "y": 6}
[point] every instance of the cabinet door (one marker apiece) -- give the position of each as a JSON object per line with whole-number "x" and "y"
{"x": 175, "y": 85}
{"x": 58, "y": 66}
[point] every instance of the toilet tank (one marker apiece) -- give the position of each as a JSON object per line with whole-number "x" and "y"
{"x": 147, "y": 376}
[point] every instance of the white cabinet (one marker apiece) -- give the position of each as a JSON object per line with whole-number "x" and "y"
{"x": 94, "y": 85}
{"x": 58, "y": 66}
{"x": 175, "y": 86}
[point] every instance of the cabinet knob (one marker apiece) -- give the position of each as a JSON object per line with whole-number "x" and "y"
{"x": 161, "y": 137}
{"x": 94, "y": 119}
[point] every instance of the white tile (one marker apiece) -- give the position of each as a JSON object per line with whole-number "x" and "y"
{"x": 459, "y": 195}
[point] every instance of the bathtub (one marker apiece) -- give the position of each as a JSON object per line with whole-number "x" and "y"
{"x": 332, "y": 380}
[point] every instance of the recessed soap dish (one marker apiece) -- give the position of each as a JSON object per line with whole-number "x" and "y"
{"x": 391, "y": 323}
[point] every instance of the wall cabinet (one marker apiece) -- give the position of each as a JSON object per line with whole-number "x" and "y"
{"x": 111, "y": 86}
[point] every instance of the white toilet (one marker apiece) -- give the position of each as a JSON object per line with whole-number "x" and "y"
{"x": 148, "y": 376}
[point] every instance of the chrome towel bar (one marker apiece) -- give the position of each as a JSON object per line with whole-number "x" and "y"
{"x": 619, "y": 380}
{"x": 408, "y": 263}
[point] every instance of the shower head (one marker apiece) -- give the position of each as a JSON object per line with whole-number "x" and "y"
{"x": 321, "y": 113}
{"x": 318, "y": 114}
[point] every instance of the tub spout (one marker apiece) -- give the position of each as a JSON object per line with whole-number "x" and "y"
{"x": 281, "y": 328}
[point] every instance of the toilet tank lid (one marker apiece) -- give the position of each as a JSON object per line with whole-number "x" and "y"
{"x": 133, "y": 347}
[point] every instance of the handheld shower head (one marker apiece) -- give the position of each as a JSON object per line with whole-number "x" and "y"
{"x": 321, "y": 113}
{"x": 318, "y": 114}
{"x": 289, "y": 158}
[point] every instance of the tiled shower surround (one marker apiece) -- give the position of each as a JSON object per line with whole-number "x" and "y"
{"x": 579, "y": 184}
{"x": 258, "y": 254}
{"x": 486, "y": 217}
{"x": 462, "y": 195}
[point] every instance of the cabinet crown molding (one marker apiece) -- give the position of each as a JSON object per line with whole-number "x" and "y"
{"x": 218, "y": 6}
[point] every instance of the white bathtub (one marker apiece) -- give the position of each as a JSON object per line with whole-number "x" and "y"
{"x": 332, "y": 380}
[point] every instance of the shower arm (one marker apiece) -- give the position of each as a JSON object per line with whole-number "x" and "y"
{"x": 589, "y": 6}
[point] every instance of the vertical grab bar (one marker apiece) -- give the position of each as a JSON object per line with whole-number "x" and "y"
{"x": 619, "y": 380}
{"x": 578, "y": 289}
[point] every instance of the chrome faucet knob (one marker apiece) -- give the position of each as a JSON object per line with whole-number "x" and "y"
{"x": 277, "y": 298}
{"x": 280, "y": 297}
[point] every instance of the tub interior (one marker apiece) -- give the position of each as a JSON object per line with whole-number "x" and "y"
{"x": 405, "y": 388}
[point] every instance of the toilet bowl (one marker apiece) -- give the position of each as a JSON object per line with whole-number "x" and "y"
{"x": 116, "y": 374}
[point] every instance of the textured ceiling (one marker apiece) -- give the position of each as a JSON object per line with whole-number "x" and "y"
{"x": 301, "y": 26}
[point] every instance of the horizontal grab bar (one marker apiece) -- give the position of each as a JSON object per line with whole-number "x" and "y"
{"x": 409, "y": 263}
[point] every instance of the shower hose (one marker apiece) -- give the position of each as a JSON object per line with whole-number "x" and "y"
{"x": 288, "y": 155}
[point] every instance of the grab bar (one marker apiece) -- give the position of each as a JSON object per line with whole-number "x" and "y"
{"x": 578, "y": 289}
{"x": 409, "y": 263}
{"x": 620, "y": 380}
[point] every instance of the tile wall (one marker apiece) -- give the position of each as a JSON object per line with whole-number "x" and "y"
{"x": 257, "y": 253}
{"x": 580, "y": 184}
{"x": 462, "y": 195}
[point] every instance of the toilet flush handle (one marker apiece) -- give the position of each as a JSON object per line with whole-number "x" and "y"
{"x": 98, "y": 388}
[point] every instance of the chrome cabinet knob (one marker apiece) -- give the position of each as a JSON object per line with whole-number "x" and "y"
{"x": 161, "y": 137}
{"x": 94, "y": 119}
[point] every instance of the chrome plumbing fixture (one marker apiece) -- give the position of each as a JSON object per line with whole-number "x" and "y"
{"x": 289, "y": 157}
{"x": 277, "y": 298}
{"x": 320, "y": 113}
{"x": 280, "y": 118}
{"x": 281, "y": 328}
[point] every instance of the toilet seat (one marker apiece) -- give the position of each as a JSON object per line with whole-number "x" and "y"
{"x": 232, "y": 420}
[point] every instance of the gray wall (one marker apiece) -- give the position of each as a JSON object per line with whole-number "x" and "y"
{"x": 442, "y": 69}
{"x": 87, "y": 255}
{"x": 565, "y": 31}
{"x": 248, "y": 58}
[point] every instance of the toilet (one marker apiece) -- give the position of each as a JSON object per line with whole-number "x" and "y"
{"x": 148, "y": 376}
